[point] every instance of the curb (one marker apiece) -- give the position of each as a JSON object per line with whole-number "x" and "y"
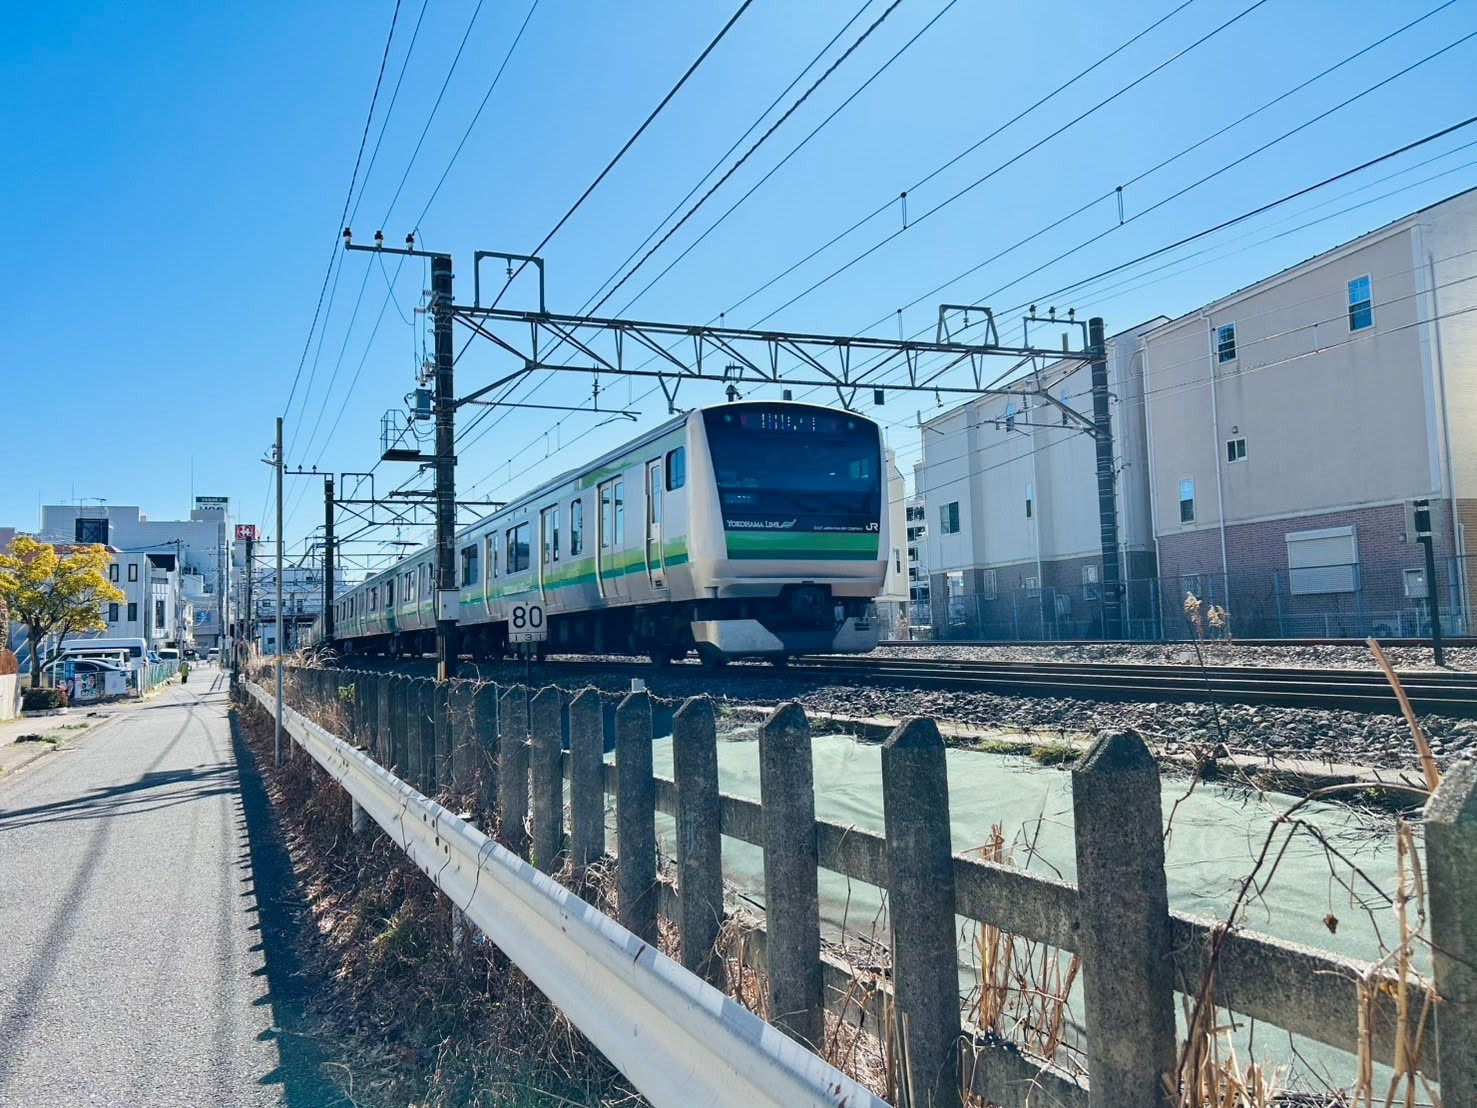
{"x": 10, "y": 768}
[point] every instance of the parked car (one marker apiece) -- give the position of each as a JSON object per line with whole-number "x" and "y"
{"x": 83, "y": 665}
{"x": 212, "y": 654}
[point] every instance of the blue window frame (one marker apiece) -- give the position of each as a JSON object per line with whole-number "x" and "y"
{"x": 1361, "y": 304}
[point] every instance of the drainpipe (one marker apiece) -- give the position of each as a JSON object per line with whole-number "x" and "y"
{"x": 1438, "y": 368}
{"x": 1215, "y": 432}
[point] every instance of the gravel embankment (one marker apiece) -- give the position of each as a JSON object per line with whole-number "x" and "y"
{"x": 1216, "y": 654}
{"x": 1326, "y": 735}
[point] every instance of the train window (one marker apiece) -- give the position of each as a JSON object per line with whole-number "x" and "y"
{"x": 470, "y": 574}
{"x": 492, "y": 556}
{"x": 549, "y": 518}
{"x": 517, "y": 539}
{"x": 607, "y": 519}
{"x": 676, "y": 468}
{"x": 389, "y": 594}
{"x": 374, "y": 599}
{"x": 654, "y": 499}
{"x": 576, "y": 527}
{"x": 620, "y": 512}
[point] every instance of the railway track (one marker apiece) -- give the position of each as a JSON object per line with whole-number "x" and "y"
{"x": 1440, "y": 693}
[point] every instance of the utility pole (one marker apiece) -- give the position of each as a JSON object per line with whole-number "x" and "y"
{"x": 328, "y": 559}
{"x": 448, "y": 600}
{"x": 250, "y": 603}
{"x": 278, "y": 463}
{"x": 1107, "y": 481}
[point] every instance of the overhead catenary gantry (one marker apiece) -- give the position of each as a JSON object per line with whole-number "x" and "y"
{"x": 674, "y": 354}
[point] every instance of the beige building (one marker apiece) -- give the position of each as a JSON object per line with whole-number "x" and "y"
{"x": 1013, "y": 540}
{"x": 1290, "y": 423}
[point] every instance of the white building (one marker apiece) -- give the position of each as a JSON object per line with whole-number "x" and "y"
{"x": 1290, "y": 422}
{"x": 195, "y": 550}
{"x": 1012, "y": 538}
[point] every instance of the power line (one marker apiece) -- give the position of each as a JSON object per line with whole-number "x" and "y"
{"x": 390, "y": 110}
{"x": 760, "y": 141}
{"x": 353, "y": 179}
{"x": 632, "y": 140}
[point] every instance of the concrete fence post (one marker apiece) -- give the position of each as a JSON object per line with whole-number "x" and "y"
{"x": 485, "y": 751}
{"x": 920, "y": 903}
{"x": 586, "y": 778}
{"x": 463, "y": 716}
{"x": 383, "y": 733}
{"x": 791, "y": 892}
{"x": 1127, "y": 961}
{"x": 1451, "y": 881}
{"x": 443, "y": 731}
{"x": 699, "y": 838}
{"x": 402, "y": 696}
{"x": 425, "y": 780}
{"x": 512, "y": 768}
{"x": 546, "y": 733}
{"x": 358, "y": 818}
{"x": 635, "y": 818}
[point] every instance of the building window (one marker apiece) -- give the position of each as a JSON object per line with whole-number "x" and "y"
{"x": 1235, "y": 450}
{"x": 676, "y": 468}
{"x": 113, "y": 572}
{"x": 133, "y": 571}
{"x": 1187, "y": 500}
{"x": 469, "y": 566}
{"x": 132, "y": 613}
{"x": 949, "y": 518}
{"x": 1361, "y": 304}
{"x": 94, "y": 532}
{"x": 159, "y": 620}
{"x": 1415, "y": 584}
{"x": 1323, "y": 561}
{"x": 1033, "y": 586}
{"x": 1225, "y": 343}
{"x": 576, "y": 527}
{"x": 112, "y": 613}
{"x": 1030, "y": 500}
{"x": 987, "y": 584}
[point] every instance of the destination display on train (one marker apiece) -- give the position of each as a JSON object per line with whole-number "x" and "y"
{"x": 781, "y": 419}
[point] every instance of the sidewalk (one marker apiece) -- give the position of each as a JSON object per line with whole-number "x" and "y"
{"x": 138, "y": 967}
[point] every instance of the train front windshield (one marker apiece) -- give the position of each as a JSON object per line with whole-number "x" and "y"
{"x": 785, "y": 467}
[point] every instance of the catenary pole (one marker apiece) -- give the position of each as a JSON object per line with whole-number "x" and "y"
{"x": 277, "y": 461}
{"x": 328, "y": 561}
{"x": 447, "y": 598}
{"x": 1107, "y": 481}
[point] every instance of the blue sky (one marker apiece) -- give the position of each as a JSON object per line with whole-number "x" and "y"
{"x": 173, "y": 177}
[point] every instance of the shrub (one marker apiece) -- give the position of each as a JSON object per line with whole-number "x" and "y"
{"x": 37, "y": 700}
{"x": 8, "y": 662}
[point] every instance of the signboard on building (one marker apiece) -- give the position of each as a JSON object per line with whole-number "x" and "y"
{"x": 246, "y": 532}
{"x": 212, "y": 504}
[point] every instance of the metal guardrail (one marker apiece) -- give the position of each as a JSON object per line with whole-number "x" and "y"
{"x": 677, "y": 1039}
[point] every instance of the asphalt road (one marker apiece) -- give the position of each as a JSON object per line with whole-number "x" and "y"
{"x": 146, "y": 921}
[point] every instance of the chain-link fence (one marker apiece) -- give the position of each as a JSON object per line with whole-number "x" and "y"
{"x": 1355, "y": 600}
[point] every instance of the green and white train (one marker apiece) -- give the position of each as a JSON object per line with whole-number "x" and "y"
{"x": 740, "y": 530}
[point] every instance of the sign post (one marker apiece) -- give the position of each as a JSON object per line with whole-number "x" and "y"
{"x": 1421, "y": 524}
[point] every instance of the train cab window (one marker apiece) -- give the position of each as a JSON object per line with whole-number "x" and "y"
{"x": 549, "y": 518}
{"x": 576, "y": 527}
{"x": 517, "y": 540}
{"x": 676, "y": 468}
{"x": 469, "y": 566}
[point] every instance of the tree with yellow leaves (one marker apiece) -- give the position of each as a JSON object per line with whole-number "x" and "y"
{"x": 53, "y": 593}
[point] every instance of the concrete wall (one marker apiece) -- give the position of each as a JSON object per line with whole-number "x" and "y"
{"x": 10, "y": 696}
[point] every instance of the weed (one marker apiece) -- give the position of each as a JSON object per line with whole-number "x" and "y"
{"x": 1056, "y": 753}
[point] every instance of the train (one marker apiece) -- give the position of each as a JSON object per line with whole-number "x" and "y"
{"x": 752, "y": 529}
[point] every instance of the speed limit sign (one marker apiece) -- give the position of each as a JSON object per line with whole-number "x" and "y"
{"x": 526, "y": 624}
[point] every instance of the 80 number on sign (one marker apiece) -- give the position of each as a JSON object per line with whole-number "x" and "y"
{"x": 526, "y": 624}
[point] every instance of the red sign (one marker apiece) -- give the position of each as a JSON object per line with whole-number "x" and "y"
{"x": 246, "y": 531}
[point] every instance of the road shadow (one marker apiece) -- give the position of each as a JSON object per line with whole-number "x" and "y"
{"x": 279, "y": 900}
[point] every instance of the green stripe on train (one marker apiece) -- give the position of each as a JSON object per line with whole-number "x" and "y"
{"x": 812, "y": 545}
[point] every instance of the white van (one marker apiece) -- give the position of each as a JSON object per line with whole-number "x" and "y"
{"x": 130, "y": 653}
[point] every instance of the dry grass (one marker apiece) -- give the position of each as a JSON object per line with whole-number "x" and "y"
{"x": 424, "y": 1023}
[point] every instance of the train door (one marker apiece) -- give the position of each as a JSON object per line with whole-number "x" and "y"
{"x": 609, "y": 569}
{"x": 656, "y": 570}
{"x": 548, "y": 550}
